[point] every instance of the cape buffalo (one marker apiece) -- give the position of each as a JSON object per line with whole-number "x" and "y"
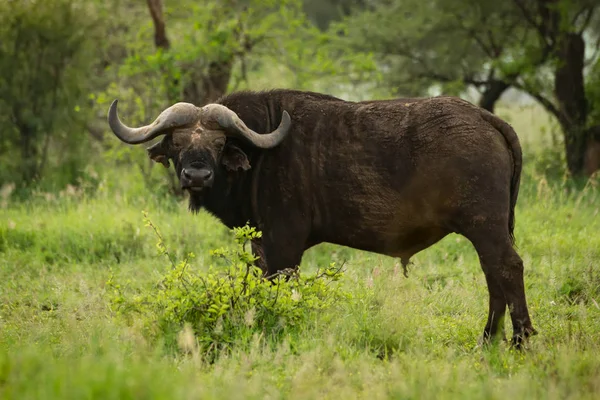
{"x": 389, "y": 176}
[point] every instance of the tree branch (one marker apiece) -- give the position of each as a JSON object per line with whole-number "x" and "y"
{"x": 595, "y": 54}
{"x": 160, "y": 35}
{"x": 587, "y": 19}
{"x": 497, "y": 49}
{"x": 528, "y": 17}
{"x": 540, "y": 28}
{"x": 430, "y": 73}
{"x": 474, "y": 35}
{"x": 546, "y": 103}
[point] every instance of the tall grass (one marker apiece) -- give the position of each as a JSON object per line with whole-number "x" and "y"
{"x": 415, "y": 337}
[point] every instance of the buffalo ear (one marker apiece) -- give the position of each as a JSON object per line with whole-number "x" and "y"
{"x": 234, "y": 158}
{"x": 158, "y": 153}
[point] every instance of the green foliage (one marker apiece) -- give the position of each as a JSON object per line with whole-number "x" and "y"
{"x": 200, "y": 35}
{"x": 432, "y": 46}
{"x": 228, "y": 306}
{"x": 44, "y": 59}
{"x": 324, "y": 12}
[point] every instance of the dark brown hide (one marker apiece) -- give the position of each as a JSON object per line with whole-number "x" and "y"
{"x": 391, "y": 177}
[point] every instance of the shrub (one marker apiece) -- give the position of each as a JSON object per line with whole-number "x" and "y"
{"x": 45, "y": 62}
{"x": 226, "y": 307}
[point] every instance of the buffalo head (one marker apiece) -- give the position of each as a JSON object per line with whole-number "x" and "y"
{"x": 196, "y": 140}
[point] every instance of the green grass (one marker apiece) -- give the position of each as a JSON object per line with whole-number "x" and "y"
{"x": 414, "y": 337}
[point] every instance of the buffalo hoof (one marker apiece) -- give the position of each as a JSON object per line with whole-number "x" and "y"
{"x": 519, "y": 339}
{"x": 494, "y": 333}
{"x": 488, "y": 339}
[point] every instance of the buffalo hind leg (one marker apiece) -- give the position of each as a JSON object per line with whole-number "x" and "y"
{"x": 494, "y": 328}
{"x": 503, "y": 269}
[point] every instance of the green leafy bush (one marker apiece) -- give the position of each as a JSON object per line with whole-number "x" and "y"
{"x": 214, "y": 311}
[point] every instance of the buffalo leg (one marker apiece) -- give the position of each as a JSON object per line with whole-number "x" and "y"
{"x": 257, "y": 250}
{"x": 283, "y": 242}
{"x": 280, "y": 258}
{"x": 494, "y": 327}
{"x": 276, "y": 262}
{"x": 282, "y": 250}
{"x": 503, "y": 270}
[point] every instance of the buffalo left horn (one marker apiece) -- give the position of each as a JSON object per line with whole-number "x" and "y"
{"x": 233, "y": 125}
{"x": 179, "y": 114}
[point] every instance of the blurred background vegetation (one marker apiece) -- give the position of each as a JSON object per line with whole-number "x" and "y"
{"x": 63, "y": 61}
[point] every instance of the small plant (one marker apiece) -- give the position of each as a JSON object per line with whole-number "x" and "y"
{"x": 226, "y": 307}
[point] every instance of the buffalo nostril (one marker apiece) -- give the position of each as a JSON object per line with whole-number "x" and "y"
{"x": 205, "y": 174}
{"x": 186, "y": 174}
{"x": 196, "y": 176}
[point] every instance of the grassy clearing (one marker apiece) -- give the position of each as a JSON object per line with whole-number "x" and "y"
{"x": 397, "y": 337}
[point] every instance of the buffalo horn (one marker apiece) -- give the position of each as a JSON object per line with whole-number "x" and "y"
{"x": 233, "y": 125}
{"x": 179, "y": 114}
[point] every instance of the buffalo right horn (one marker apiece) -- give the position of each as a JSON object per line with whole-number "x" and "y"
{"x": 233, "y": 125}
{"x": 179, "y": 114}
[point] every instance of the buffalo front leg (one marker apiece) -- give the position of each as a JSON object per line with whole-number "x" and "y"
{"x": 257, "y": 250}
{"x": 283, "y": 250}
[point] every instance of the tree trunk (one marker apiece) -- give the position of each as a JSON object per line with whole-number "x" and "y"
{"x": 591, "y": 161}
{"x": 160, "y": 33}
{"x": 199, "y": 88}
{"x": 570, "y": 93}
{"x": 575, "y": 148}
{"x": 29, "y": 170}
{"x": 492, "y": 93}
{"x": 202, "y": 89}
